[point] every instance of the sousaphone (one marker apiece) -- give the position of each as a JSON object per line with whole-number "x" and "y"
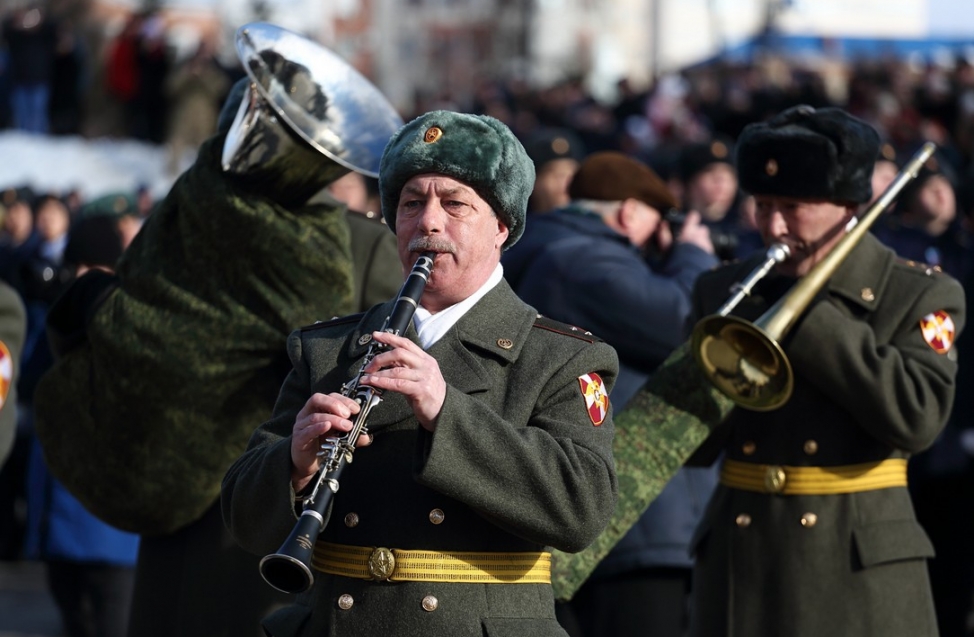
{"x": 306, "y": 118}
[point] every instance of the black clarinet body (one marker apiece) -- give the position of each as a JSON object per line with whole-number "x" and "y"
{"x": 289, "y": 569}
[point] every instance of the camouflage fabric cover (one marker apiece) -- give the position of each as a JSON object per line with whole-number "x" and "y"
{"x": 657, "y": 431}
{"x": 185, "y": 357}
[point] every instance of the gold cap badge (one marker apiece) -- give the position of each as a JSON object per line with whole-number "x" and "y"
{"x": 432, "y": 134}
{"x": 719, "y": 150}
{"x": 771, "y": 168}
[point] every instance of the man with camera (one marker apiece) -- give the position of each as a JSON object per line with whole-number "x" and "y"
{"x": 610, "y": 263}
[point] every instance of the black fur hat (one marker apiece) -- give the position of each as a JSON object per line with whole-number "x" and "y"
{"x": 809, "y": 153}
{"x": 697, "y": 157}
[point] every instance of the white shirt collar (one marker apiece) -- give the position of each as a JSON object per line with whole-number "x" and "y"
{"x": 432, "y": 327}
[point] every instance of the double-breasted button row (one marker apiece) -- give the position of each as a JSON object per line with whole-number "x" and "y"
{"x": 808, "y": 520}
{"x": 429, "y": 602}
{"x": 436, "y": 516}
{"x": 810, "y": 447}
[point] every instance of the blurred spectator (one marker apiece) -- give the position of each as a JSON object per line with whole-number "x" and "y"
{"x": 68, "y": 76}
{"x": 196, "y": 89}
{"x": 90, "y": 565}
{"x": 30, "y": 37}
{"x": 17, "y": 236}
{"x": 556, "y": 153}
{"x": 137, "y": 63}
{"x": 924, "y": 226}
{"x": 885, "y": 170}
{"x": 705, "y": 180}
{"x": 358, "y": 192}
{"x": 376, "y": 269}
{"x": 151, "y": 105}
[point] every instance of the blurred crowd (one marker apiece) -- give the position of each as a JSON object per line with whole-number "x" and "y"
{"x": 683, "y": 126}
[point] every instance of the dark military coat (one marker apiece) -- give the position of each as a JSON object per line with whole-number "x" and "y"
{"x": 13, "y": 328}
{"x": 377, "y": 271}
{"x": 516, "y": 464}
{"x": 868, "y": 387}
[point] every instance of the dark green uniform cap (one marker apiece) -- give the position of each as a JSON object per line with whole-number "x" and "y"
{"x": 478, "y": 150}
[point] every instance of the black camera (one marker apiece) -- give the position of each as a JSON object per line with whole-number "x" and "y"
{"x": 725, "y": 242}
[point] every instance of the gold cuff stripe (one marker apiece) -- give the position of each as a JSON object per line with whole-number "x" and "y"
{"x": 436, "y": 566}
{"x": 785, "y": 480}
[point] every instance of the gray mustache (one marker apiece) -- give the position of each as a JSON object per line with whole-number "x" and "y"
{"x": 423, "y": 244}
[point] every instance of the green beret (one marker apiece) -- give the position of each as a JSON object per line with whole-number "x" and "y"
{"x": 478, "y": 150}
{"x": 809, "y": 153}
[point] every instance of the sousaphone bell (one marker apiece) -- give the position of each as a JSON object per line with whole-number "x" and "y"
{"x": 306, "y": 118}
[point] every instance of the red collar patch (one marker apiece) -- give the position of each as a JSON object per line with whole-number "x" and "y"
{"x": 938, "y": 331}
{"x": 596, "y": 399}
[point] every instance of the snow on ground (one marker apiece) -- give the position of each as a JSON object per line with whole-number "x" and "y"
{"x": 94, "y": 167}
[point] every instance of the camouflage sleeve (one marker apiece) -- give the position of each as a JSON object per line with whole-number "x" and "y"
{"x": 656, "y": 432}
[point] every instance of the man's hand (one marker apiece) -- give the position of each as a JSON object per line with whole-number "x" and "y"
{"x": 695, "y": 232}
{"x": 322, "y": 414}
{"x": 410, "y": 371}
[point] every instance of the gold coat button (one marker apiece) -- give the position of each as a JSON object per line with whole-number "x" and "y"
{"x": 364, "y": 339}
{"x": 345, "y": 601}
{"x": 809, "y": 520}
{"x": 743, "y": 520}
{"x": 748, "y": 448}
{"x": 774, "y": 479}
{"x": 351, "y": 520}
{"x": 430, "y": 603}
{"x": 437, "y": 516}
{"x": 868, "y": 295}
{"x": 811, "y": 447}
{"x": 505, "y": 343}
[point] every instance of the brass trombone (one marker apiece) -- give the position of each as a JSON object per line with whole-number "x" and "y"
{"x": 745, "y": 360}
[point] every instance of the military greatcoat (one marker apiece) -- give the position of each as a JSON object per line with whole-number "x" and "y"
{"x": 873, "y": 382}
{"x": 517, "y": 464}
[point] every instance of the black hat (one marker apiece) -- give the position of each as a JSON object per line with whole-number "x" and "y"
{"x": 935, "y": 165}
{"x": 695, "y": 158}
{"x": 809, "y": 153}
{"x": 548, "y": 144}
{"x": 94, "y": 240}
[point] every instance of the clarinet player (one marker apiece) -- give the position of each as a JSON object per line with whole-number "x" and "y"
{"x": 493, "y": 439}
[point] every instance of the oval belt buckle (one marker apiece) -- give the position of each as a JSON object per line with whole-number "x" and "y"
{"x": 381, "y": 564}
{"x": 774, "y": 479}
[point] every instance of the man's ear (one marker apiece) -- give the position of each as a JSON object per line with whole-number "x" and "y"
{"x": 502, "y": 233}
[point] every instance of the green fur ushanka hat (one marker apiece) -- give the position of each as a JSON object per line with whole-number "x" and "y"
{"x": 809, "y": 153}
{"x": 478, "y": 150}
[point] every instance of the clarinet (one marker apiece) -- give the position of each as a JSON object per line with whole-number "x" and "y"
{"x": 289, "y": 569}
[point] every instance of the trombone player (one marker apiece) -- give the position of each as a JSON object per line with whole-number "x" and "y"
{"x": 811, "y": 531}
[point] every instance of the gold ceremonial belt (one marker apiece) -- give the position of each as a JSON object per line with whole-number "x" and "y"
{"x": 783, "y": 480}
{"x": 400, "y": 565}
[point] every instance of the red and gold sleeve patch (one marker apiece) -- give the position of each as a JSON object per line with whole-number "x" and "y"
{"x": 596, "y": 398}
{"x": 938, "y": 331}
{"x": 6, "y": 372}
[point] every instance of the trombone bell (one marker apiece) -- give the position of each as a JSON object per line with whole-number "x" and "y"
{"x": 743, "y": 362}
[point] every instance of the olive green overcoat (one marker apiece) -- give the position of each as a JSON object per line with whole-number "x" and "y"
{"x": 13, "y": 329}
{"x": 868, "y": 387}
{"x": 516, "y": 464}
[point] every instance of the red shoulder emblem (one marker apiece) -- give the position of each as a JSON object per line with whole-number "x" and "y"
{"x": 938, "y": 331}
{"x": 596, "y": 399}
{"x": 6, "y": 372}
